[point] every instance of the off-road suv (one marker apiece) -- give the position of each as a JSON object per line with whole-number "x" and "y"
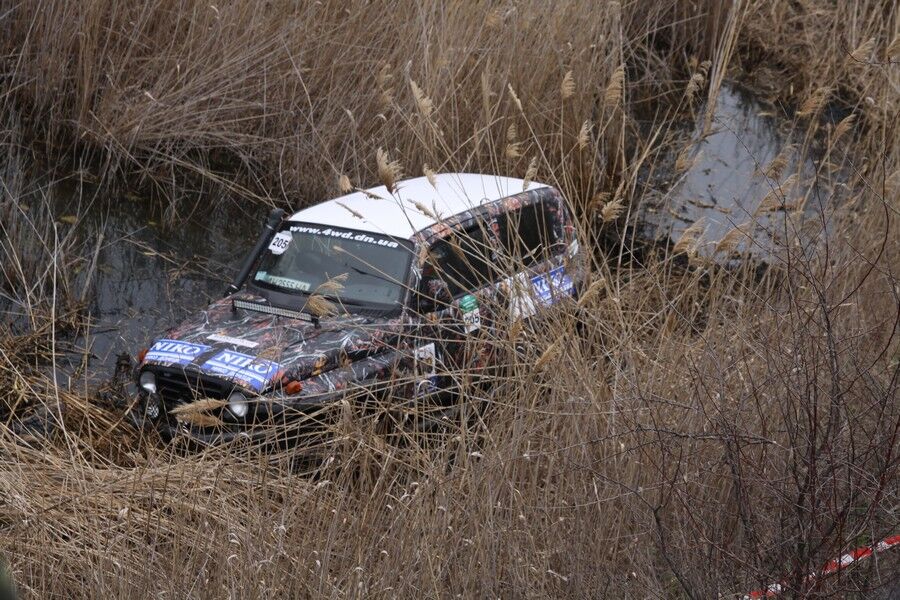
{"x": 370, "y": 288}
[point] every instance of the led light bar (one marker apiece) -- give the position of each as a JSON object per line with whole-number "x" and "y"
{"x": 272, "y": 310}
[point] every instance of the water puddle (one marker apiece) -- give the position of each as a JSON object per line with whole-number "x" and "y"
{"x": 749, "y": 172}
{"x": 149, "y": 277}
{"x": 149, "y": 274}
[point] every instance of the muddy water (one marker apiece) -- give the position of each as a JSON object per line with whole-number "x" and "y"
{"x": 726, "y": 181}
{"x": 152, "y": 272}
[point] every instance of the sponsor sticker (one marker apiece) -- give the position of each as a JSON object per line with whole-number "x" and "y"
{"x": 174, "y": 352}
{"x": 283, "y": 282}
{"x": 227, "y": 339}
{"x": 468, "y": 304}
{"x": 256, "y": 372}
{"x": 426, "y": 368}
{"x": 280, "y": 242}
{"x": 549, "y": 286}
{"x": 426, "y": 361}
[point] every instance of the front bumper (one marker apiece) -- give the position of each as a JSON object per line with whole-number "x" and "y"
{"x": 286, "y": 432}
{"x": 287, "y": 423}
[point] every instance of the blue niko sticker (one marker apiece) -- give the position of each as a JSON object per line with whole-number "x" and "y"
{"x": 554, "y": 283}
{"x": 173, "y": 352}
{"x": 256, "y": 372}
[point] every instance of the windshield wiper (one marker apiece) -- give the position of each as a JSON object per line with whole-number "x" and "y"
{"x": 390, "y": 280}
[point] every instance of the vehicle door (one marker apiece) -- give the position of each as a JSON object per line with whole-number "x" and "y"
{"x": 533, "y": 248}
{"x": 454, "y": 300}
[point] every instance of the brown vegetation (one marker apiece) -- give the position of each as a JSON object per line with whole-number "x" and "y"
{"x": 708, "y": 432}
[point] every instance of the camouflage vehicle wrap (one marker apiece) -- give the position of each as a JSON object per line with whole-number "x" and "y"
{"x": 286, "y": 362}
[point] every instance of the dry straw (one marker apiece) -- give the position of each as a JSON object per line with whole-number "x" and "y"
{"x": 494, "y": 18}
{"x": 530, "y": 173}
{"x": 584, "y": 135}
{"x": 423, "y": 102}
{"x": 612, "y": 210}
{"x": 383, "y": 82}
{"x": 425, "y": 210}
{"x": 694, "y": 85}
{"x": 690, "y": 239}
{"x": 333, "y": 285}
{"x": 512, "y": 132}
{"x": 567, "y": 87}
{"x": 777, "y": 198}
{"x": 112, "y": 506}
{"x": 513, "y": 150}
{"x": 599, "y": 199}
{"x": 893, "y": 49}
{"x": 200, "y": 420}
{"x": 685, "y": 159}
{"x": 776, "y": 167}
{"x": 515, "y": 330}
{"x": 814, "y": 103}
{"x": 863, "y": 52}
{"x": 548, "y": 355}
{"x": 845, "y": 125}
{"x": 592, "y": 292}
{"x": 320, "y": 306}
{"x": 515, "y": 98}
{"x": 389, "y": 171}
{"x": 487, "y": 94}
{"x": 198, "y": 406}
{"x": 613, "y": 94}
{"x": 731, "y": 240}
{"x": 353, "y": 212}
{"x": 430, "y": 175}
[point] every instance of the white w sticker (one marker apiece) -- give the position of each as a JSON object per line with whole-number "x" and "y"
{"x": 227, "y": 339}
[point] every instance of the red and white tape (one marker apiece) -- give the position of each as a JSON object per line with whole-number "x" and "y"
{"x": 833, "y": 566}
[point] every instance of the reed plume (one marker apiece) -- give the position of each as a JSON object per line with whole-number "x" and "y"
{"x": 613, "y": 94}
{"x": 423, "y": 102}
{"x": 389, "y": 171}
{"x": 567, "y": 87}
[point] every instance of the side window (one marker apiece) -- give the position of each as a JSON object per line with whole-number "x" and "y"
{"x": 530, "y": 234}
{"x": 463, "y": 261}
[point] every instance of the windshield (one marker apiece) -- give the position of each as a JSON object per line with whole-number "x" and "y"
{"x": 302, "y": 257}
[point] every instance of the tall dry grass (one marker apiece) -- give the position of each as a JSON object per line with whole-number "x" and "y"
{"x": 705, "y": 433}
{"x": 282, "y": 101}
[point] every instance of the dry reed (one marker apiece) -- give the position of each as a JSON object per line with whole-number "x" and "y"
{"x": 705, "y": 431}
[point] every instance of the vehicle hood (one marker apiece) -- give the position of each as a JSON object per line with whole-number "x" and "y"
{"x": 254, "y": 349}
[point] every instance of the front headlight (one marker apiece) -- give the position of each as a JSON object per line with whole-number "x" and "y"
{"x": 237, "y": 404}
{"x": 148, "y": 381}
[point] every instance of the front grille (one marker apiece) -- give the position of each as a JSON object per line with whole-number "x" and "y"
{"x": 177, "y": 386}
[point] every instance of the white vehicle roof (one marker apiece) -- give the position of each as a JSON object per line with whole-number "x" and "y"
{"x": 378, "y": 211}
